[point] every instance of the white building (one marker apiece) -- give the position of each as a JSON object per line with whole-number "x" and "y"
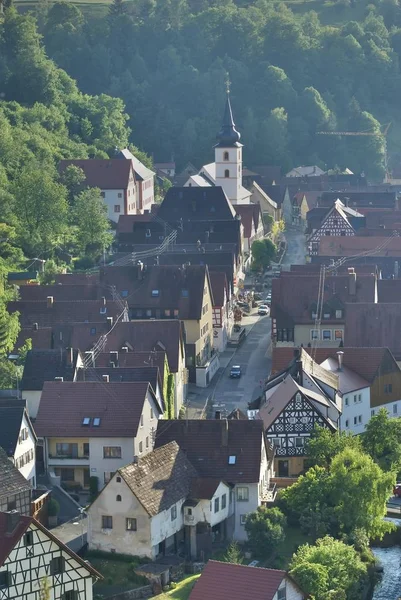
{"x": 145, "y": 181}
{"x": 223, "y": 314}
{"x": 158, "y": 504}
{"x": 30, "y": 556}
{"x": 226, "y": 171}
{"x": 17, "y": 437}
{"x": 94, "y": 428}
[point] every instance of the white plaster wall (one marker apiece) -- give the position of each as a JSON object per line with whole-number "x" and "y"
{"x": 137, "y": 543}
{"x": 148, "y": 193}
{"x": 232, "y": 184}
{"x": 111, "y": 199}
{"x": 32, "y": 401}
{"x": 243, "y": 508}
{"x": 293, "y": 592}
{"x": 360, "y": 408}
{"x": 99, "y": 465}
{"x": 28, "y": 470}
{"x": 162, "y": 527}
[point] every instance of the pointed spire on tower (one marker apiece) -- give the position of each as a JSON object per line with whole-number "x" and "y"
{"x": 228, "y": 135}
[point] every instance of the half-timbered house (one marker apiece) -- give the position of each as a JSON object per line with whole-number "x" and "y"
{"x": 17, "y": 437}
{"x": 223, "y": 315}
{"x": 339, "y": 221}
{"x": 290, "y": 412}
{"x": 32, "y": 558}
{"x": 15, "y": 490}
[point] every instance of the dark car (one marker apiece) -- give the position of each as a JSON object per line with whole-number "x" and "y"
{"x": 235, "y": 372}
{"x": 397, "y": 490}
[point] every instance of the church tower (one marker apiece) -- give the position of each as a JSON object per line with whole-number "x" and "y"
{"x": 228, "y": 157}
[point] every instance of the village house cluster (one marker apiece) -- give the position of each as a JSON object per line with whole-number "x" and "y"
{"x": 102, "y": 405}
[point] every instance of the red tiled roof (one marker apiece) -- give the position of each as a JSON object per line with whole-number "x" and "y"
{"x": 41, "y": 337}
{"x": 226, "y": 581}
{"x": 64, "y": 405}
{"x": 139, "y": 336}
{"x": 389, "y": 290}
{"x": 208, "y": 445}
{"x": 130, "y": 360}
{"x": 126, "y": 222}
{"x": 77, "y": 278}
{"x": 249, "y": 214}
{"x": 364, "y": 361}
{"x": 64, "y": 293}
{"x": 338, "y": 246}
{"x": 79, "y": 311}
{"x": 377, "y": 218}
{"x": 218, "y": 281}
{"x": 289, "y": 307}
{"x": 106, "y": 174}
{"x": 371, "y": 324}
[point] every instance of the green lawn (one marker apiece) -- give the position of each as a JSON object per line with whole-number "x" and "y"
{"x": 293, "y": 539}
{"x": 118, "y": 575}
{"x": 182, "y": 591}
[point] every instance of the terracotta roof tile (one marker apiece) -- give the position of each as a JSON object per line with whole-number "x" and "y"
{"x": 364, "y": 361}
{"x": 11, "y": 480}
{"x": 209, "y": 443}
{"x": 220, "y": 288}
{"x": 195, "y": 203}
{"x": 389, "y": 290}
{"x": 338, "y": 246}
{"x": 112, "y": 174}
{"x": 64, "y": 405}
{"x": 130, "y": 360}
{"x": 60, "y": 292}
{"x": 249, "y": 214}
{"x": 362, "y": 198}
{"x": 161, "y": 478}
{"x": 203, "y": 488}
{"x": 44, "y": 365}
{"x": 371, "y": 324}
{"x": 226, "y": 581}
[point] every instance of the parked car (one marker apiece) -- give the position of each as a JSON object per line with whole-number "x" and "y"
{"x": 268, "y": 299}
{"x": 235, "y": 372}
{"x": 263, "y": 310}
{"x": 397, "y": 490}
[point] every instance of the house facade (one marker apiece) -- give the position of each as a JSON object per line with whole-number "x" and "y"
{"x": 32, "y": 556}
{"x": 137, "y": 515}
{"x": 339, "y": 221}
{"x": 15, "y": 490}
{"x": 93, "y": 428}
{"x": 18, "y": 438}
{"x": 216, "y": 449}
{"x": 223, "y": 314}
{"x": 144, "y": 179}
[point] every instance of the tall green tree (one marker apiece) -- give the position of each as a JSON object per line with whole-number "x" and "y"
{"x": 329, "y": 570}
{"x": 265, "y": 529}
{"x": 323, "y": 446}
{"x": 92, "y": 226}
{"x": 382, "y": 440}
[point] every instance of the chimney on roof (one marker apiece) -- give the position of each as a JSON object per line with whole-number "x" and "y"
{"x": 106, "y": 378}
{"x": 110, "y": 322}
{"x": 12, "y": 520}
{"x": 35, "y": 326}
{"x": 340, "y": 356}
{"x": 70, "y": 356}
{"x": 50, "y": 301}
{"x": 300, "y": 373}
{"x": 351, "y": 281}
{"x": 224, "y": 433}
{"x": 103, "y": 300}
{"x": 114, "y": 358}
{"x": 124, "y": 349}
{"x": 59, "y": 379}
{"x": 217, "y": 415}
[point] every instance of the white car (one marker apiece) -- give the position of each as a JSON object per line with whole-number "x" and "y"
{"x": 263, "y": 310}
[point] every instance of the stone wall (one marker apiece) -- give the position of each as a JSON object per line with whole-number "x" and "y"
{"x": 143, "y": 592}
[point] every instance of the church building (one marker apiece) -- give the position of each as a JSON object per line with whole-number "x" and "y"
{"x": 226, "y": 171}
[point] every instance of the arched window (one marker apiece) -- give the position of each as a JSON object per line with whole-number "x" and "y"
{"x": 118, "y": 498}
{"x": 226, "y": 156}
{"x": 226, "y": 173}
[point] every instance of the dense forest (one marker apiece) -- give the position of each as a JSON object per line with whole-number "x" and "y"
{"x": 291, "y": 75}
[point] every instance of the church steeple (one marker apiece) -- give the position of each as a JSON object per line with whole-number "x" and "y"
{"x": 228, "y": 135}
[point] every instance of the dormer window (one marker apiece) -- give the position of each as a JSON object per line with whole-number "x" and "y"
{"x": 155, "y": 293}
{"x": 226, "y": 156}
{"x": 96, "y": 422}
{"x": 232, "y": 460}
{"x": 86, "y": 421}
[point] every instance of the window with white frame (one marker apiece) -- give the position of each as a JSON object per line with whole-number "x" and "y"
{"x": 314, "y": 334}
{"x": 346, "y": 401}
{"x": 339, "y": 314}
{"x": 242, "y": 494}
{"x": 326, "y": 334}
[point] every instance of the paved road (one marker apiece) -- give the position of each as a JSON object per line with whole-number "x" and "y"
{"x": 295, "y": 254}
{"x": 254, "y": 358}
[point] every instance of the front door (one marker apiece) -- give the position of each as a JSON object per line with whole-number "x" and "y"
{"x": 283, "y": 468}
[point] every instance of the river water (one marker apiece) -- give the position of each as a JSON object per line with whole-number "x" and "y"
{"x": 389, "y": 587}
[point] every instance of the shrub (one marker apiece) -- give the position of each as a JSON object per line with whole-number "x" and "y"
{"x": 53, "y": 508}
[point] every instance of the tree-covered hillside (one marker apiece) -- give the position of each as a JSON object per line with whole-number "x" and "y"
{"x": 291, "y": 76}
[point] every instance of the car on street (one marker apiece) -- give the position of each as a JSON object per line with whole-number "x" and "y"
{"x": 235, "y": 372}
{"x": 397, "y": 490}
{"x": 263, "y": 310}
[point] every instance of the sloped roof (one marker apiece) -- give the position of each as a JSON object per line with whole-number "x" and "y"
{"x": 63, "y": 293}
{"x": 195, "y": 203}
{"x": 226, "y": 581}
{"x": 11, "y": 480}
{"x": 11, "y": 415}
{"x": 204, "y": 488}
{"x": 281, "y": 395}
{"x": 141, "y": 171}
{"x": 209, "y": 443}
{"x": 111, "y": 174}
{"x": 199, "y": 180}
{"x": 130, "y": 360}
{"x": 161, "y": 478}
{"x": 348, "y": 380}
{"x": 79, "y": 311}
{"x": 64, "y": 405}
{"x": 349, "y": 245}
{"x": 365, "y": 197}
{"x": 44, "y": 365}
{"x": 122, "y": 374}
{"x": 368, "y": 324}
{"x": 249, "y": 214}
{"x": 389, "y": 290}
{"x": 289, "y": 307}
{"x": 364, "y": 361}
{"x": 218, "y": 281}
{"x": 310, "y": 171}
{"x": 8, "y": 541}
